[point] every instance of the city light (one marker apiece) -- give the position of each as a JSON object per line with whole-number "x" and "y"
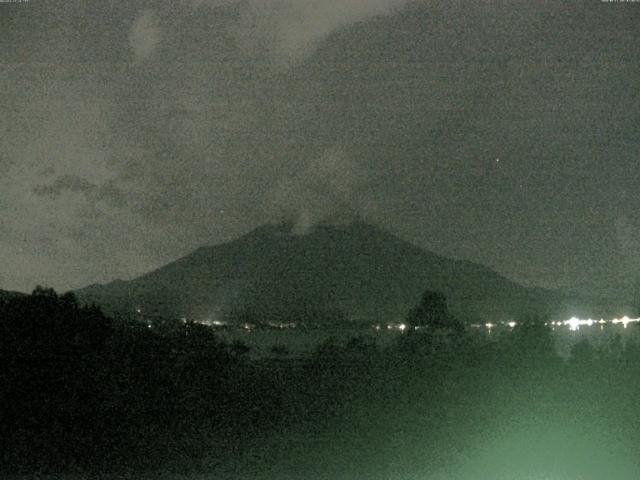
{"x": 397, "y": 326}
{"x": 575, "y": 323}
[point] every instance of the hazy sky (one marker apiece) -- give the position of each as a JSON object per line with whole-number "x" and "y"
{"x": 502, "y": 132}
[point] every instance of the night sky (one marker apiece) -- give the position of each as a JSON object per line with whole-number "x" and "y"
{"x": 506, "y": 133}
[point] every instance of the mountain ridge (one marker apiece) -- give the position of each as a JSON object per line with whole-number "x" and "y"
{"x": 355, "y": 271}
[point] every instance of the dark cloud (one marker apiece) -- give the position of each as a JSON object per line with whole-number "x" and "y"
{"x": 64, "y": 183}
{"x": 71, "y": 183}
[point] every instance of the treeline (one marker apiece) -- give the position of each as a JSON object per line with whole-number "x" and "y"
{"x": 81, "y": 393}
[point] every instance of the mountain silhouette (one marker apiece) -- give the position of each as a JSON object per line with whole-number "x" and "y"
{"x": 353, "y": 272}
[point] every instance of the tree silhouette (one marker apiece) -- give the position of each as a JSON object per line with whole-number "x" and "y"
{"x": 432, "y": 312}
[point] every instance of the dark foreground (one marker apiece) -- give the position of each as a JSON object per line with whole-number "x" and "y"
{"x": 84, "y": 397}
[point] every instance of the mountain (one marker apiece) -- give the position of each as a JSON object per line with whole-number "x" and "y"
{"x": 354, "y": 272}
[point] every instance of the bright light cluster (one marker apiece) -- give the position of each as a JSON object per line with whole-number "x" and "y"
{"x": 489, "y": 325}
{"x": 575, "y": 323}
{"x": 281, "y": 325}
{"x": 207, "y": 322}
{"x": 394, "y": 326}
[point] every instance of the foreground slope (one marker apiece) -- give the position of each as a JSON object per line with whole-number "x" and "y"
{"x": 8, "y": 294}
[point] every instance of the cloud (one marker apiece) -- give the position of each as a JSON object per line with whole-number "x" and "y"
{"x": 145, "y": 33}
{"x": 71, "y": 183}
{"x": 108, "y": 191}
{"x": 305, "y": 23}
{"x": 290, "y": 29}
{"x": 323, "y": 190}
